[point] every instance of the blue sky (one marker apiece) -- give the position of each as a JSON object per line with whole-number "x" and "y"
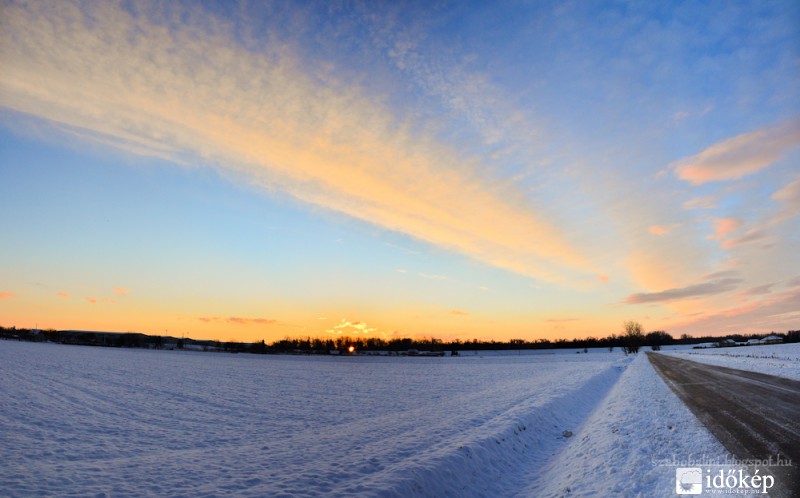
{"x": 544, "y": 169}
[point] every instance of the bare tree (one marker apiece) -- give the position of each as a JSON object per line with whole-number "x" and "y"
{"x": 632, "y": 336}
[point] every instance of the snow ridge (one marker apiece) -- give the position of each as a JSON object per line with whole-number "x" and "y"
{"x": 623, "y": 447}
{"x": 495, "y": 458}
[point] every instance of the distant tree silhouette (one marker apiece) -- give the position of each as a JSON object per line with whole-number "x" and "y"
{"x": 658, "y": 338}
{"x": 632, "y": 337}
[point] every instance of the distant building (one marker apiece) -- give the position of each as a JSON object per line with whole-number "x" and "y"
{"x": 772, "y": 339}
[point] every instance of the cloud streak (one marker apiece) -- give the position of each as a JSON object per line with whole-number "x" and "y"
{"x": 186, "y": 92}
{"x": 711, "y": 287}
{"x": 789, "y": 199}
{"x": 6, "y": 295}
{"x": 740, "y": 156}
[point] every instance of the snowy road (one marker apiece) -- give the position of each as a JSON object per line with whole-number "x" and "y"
{"x": 754, "y": 415}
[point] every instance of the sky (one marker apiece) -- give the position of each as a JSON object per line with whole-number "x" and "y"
{"x": 458, "y": 170}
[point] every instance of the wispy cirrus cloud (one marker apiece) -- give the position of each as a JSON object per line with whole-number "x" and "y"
{"x": 459, "y": 312}
{"x": 6, "y": 294}
{"x": 237, "y": 320}
{"x": 120, "y": 291}
{"x": 741, "y": 155}
{"x": 63, "y": 295}
{"x": 715, "y": 284}
{"x": 177, "y": 85}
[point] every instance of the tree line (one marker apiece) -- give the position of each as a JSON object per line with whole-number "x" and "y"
{"x": 630, "y": 340}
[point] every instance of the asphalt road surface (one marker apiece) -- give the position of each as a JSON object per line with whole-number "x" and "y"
{"x": 755, "y": 416}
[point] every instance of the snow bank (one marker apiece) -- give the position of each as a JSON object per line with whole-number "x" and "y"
{"x": 626, "y": 447}
{"x": 776, "y": 359}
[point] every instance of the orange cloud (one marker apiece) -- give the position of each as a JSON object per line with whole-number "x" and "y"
{"x": 458, "y": 313}
{"x": 740, "y": 156}
{"x": 92, "y": 300}
{"x": 602, "y": 278}
{"x": 6, "y": 295}
{"x": 663, "y": 229}
{"x": 264, "y": 119}
{"x": 120, "y": 291}
{"x": 62, "y": 294}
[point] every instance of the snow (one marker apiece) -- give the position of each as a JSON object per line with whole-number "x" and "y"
{"x": 626, "y": 446}
{"x": 782, "y": 360}
{"x": 78, "y": 421}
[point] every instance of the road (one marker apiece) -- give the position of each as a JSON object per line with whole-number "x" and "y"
{"x": 755, "y": 416}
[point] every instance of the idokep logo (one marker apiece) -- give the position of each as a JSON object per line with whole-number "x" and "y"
{"x": 689, "y": 480}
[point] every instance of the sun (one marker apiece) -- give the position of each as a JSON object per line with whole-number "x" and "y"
{"x": 351, "y": 349}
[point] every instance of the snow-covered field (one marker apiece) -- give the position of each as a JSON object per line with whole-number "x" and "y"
{"x": 82, "y": 421}
{"x": 773, "y": 359}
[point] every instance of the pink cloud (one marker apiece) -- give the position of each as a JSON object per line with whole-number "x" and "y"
{"x": 120, "y": 291}
{"x": 62, "y": 294}
{"x": 789, "y": 198}
{"x": 459, "y": 312}
{"x": 739, "y": 156}
{"x": 602, "y": 278}
{"x": 92, "y": 300}
{"x": 772, "y": 312}
{"x": 6, "y": 295}
{"x": 724, "y": 227}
